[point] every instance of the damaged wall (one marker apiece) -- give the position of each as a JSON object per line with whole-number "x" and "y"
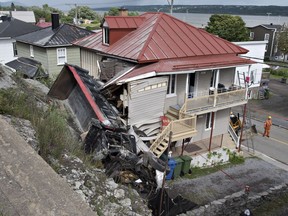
{"x": 146, "y": 100}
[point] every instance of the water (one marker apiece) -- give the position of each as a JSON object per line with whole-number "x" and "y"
{"x": 201, "y": 20}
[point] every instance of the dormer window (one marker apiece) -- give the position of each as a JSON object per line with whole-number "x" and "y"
{"x": 106, "y": 35}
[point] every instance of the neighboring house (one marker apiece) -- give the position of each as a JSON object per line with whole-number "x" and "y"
{"x": 52, "y": 46}
{"x": 157, "y": 67}
{"x": 253, "y": 72}
{"x": 10, "y": 28}
{"x": 43, "y": 24}
{"x": 267, "y": 33}
{"x": 25, "y": 16}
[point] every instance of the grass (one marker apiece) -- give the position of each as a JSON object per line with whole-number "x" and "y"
{"x": 50, "y": 125}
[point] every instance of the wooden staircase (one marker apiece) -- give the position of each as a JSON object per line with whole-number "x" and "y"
{"x": 182, "y": 126}
{"x": 161, "y": 143}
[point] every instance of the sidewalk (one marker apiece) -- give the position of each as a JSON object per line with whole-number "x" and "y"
{"x": 28, "y": 185}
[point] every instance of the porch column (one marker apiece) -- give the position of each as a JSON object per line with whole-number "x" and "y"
{"x": 216, "y": 87}
{"x": 211, "y": 133}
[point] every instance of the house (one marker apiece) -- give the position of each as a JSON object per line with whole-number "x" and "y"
{"x": 254, "y": 72}
{"x": 25, "y": 16}
{"x": 52, "y": 46}
{"x": 165, "y": 75}
{"x": 43, "y": 24}
{"x": 267, "y": 33}
{"x": 9, "y": 29}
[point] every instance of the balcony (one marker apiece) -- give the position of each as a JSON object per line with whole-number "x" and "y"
{"x": 213, "y": 100}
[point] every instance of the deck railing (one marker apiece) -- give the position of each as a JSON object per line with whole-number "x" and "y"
{"x": 217, "y": 98}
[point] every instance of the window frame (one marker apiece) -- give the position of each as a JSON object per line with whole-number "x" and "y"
{"x": 171, "y": 82}
{"x": 251, "y": 35}
{"x": 266, "y": 38}
{"x": 15, "y": 51}
{"x": 106, "y": 35}
{"x": 31, "y": 51}
{"x": 61, "y": 56}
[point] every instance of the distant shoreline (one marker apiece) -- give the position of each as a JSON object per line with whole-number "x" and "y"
{"x": 252, "y": 10}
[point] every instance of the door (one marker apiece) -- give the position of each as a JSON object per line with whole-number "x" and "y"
{"x": 191, "y": 85}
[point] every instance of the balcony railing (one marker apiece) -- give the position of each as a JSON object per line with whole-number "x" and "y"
{"x": 212, "y": 99}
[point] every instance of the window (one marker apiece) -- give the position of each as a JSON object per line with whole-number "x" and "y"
{"x": 208, "y": 124}
{"x": 251, "y": 35}
{"x": 31, "y": 51}
{"x": 61, "y": 56}
{"x": 171, "y": 85}
{"x": 266, "y": 37}
{"x": 15, "y": 49}
{"x": 106, "y": 35}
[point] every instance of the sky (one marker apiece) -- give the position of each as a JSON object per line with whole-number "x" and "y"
{"x": 115, "y": 3}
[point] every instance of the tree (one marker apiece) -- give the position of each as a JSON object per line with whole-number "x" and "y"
{"x": 45, "y": 12}
{"x": 231, "y": 28}
{"x": 115, "y": 12}
{"x": 83, "y": 12}
{"x": 283, "y": 40}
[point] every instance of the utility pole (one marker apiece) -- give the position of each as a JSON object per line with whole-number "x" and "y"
{"x": 76, "y": 13}
{"x": 171, "y": 2}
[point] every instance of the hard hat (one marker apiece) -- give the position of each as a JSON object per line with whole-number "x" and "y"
{"x": 269, "y": 117}
{"x": 231, "y": 113}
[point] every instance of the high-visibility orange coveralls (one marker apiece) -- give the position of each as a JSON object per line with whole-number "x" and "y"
{"x": 267, "y": 127}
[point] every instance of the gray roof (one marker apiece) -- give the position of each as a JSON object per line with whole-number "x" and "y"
{"x": 268, "y": 26}
{"x": 30, "y": 67}
{"x": 64, "y": 35}
{"x": 13, "y": 28}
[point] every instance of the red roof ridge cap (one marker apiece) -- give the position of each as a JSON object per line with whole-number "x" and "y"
{"x": 150, "y": 35}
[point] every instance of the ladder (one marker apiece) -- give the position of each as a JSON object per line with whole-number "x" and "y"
{"x": 248, "y": 128}
{"x": 242, "y": 79}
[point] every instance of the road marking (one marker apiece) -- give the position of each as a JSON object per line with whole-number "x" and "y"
{"x": 280, "y": 141}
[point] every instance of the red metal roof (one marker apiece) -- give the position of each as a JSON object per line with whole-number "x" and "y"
{"x": 159, "y": 37}
{"x": 188, "y": 64}
{"x": 44, "y": 24}
{"x": 120, "y": 22}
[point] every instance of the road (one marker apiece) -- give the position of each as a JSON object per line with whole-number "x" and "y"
{"x": 276, "y": 106}
{"x": 275, "y": 147}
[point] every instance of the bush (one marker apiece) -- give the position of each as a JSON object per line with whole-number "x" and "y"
{"x": 283, "y": 72}
{"x": 51, "y": 125}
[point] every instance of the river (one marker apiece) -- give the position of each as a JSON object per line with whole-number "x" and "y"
{"x": 200, "y": 20}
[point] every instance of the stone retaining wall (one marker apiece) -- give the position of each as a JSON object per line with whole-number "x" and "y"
{"x": 236, "y": 203}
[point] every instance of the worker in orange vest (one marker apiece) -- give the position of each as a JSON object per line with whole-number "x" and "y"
{"x": 267, "y": 126}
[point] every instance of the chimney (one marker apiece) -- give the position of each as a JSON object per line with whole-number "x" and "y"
{"x": 55, "y": 20}
{"x": 123, "y": 11}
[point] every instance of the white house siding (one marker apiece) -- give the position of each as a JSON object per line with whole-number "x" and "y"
{"x": 73, "y": 57}
{"x": 181, "y": 88}
{"x": 145, "y": 100}
{"x": 203, "y": 83}
{"x": 89, "y": 62}
{"x": 221, "y": 125}
{"x": 6, "y": 50}
{"x": 256, "y": 53}
{"x": 226, "y": 76}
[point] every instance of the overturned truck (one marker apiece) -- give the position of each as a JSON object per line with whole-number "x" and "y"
{"x": 125, "y": 156}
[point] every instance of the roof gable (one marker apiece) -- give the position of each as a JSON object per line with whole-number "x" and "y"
{"x": 63, "y": 35}
{"x": 14, "y": 27}
{"x": 162, "y": 36}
